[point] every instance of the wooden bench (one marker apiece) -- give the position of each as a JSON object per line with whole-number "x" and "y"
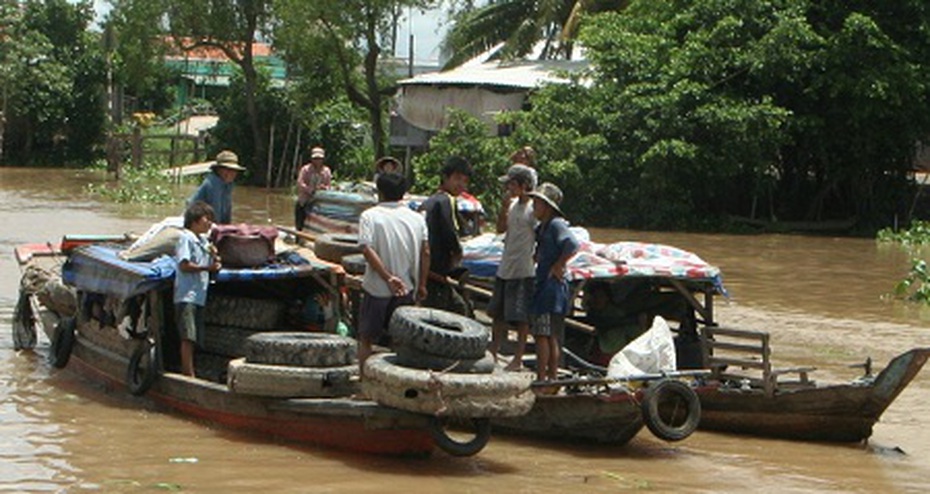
{"x": 725, "y": 349}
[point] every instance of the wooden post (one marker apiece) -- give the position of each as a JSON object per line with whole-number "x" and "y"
{"x": 137, "y": 146}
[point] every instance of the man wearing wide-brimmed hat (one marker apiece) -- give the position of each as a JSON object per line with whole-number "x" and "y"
{"x": 216, "y": 189}
{"x": 312, "y": 177}
{"x": 555, "y": 245}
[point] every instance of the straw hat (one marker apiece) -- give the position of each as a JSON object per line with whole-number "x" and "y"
{"x": 227, "y": 159}
{"x": 317, "y": 152}
{"x": 551, "y": 194}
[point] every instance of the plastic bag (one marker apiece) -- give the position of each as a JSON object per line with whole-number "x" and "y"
{"x": 652, "y": 352}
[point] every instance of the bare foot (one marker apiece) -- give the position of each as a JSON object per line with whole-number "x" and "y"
{"x": 515, "y": 365}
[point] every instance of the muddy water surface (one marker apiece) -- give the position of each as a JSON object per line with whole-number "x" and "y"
{"x": 820, "y": 297}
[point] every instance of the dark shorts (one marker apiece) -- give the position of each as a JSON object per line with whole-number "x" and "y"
{"x": 374, "y": 313}
{"x": 549, "y": 324}
{"x": 190, "y": 321}
{"x": 511, "y": 300}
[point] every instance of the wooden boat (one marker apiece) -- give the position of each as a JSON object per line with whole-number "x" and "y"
{"x": 121, "y": 334}
{"x": 337, "y": 210}
{"x": 745, "y": 392}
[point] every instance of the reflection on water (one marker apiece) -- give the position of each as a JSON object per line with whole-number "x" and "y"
{"x": 821, "y": 297}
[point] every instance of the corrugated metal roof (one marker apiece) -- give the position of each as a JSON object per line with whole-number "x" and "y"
{"x": 522, "y": 74}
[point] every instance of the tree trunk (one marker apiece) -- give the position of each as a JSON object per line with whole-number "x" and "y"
{"x": 259, "y": 161}
{"x": 371, "y": 86}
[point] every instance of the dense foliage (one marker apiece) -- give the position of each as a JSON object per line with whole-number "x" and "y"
{"x": 781, "y": 109}
{"x": 53, "y": 73}
{"x": 916, "y": 284}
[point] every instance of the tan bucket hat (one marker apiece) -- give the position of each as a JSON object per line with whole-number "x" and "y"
{"x": 551, "y": 194}
{"x": 227, "y": 159}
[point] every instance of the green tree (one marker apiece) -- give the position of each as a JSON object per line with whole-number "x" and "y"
{"x": 231, "y": 26}
{"x": 519, "y": 25}
{"x": 703, "y": 109}
{"x": 53, "y": 74}
{"x": 353, "y": 34}
{"x": 138, "y": 43}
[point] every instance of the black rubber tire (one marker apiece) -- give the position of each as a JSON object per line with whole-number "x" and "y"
{"x": 448, "y": 444}
{"x": 62, "y": 342}
{"x": 300, "y": 349}
{"x": 244, "y": 312}
{"x": 143, "y": 369}
{"x": 286, "y": 381}
{"x": 661, "y": 409}
{"x": 501, "y": 394}
{"x": 333, "y": 247}
{"x": 354, "y": 263}
{"x": 225, "y": 340}
{"x": 416, "y": 359}
{"x": 25, "y": 335}
{"x": 438, "y": 332}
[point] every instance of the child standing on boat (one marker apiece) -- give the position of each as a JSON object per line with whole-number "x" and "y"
{"x": 196, "y": 260}
{"x": 513, "y": 283}
{"x": 555, "y": 245}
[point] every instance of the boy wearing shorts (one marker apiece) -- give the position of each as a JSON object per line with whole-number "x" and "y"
{"x": 513, "y": 284}
{"x": 196, "y": 260}
{"x": 555, "y": 245}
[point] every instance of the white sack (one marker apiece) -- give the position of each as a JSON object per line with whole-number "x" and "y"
{"x": 653, "y": 352}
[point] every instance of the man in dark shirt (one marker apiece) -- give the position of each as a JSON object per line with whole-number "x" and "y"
{"x": 443, "y": 222}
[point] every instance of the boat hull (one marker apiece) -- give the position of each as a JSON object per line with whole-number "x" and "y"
{"x": 341, "y": 423}
{"x": 613, "y": 418}
{"x": 836, "y": 413}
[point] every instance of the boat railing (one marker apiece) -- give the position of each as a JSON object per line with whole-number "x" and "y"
{"x": 725, "y": 349}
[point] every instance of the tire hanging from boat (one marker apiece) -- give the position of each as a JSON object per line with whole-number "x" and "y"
{"x": 62, "y": 342}
{"x": 24, "y": 323}
{"x": 662, "y": 399}
{"x": 438, "y": 332}
{"x": 482, "y": 429}
{"x": 143, "y": 368}
{"x": 501, "y": 394}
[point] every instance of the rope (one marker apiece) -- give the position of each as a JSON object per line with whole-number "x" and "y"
{"x": 434, "y": 384}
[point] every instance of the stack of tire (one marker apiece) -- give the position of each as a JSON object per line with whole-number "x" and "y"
{"x": 231, "y": 320}
{"x": 295, "y": 365}
{"x": 441, "y": 367}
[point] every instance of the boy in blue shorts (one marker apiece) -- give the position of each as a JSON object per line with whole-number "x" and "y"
{"x": 555, "y": 245}
{"x": 196, "y": 260}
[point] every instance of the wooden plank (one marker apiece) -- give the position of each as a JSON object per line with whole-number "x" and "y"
{"x": 745, "y": 363}
{"x": 737, "y": 347}
{"x": 736, "y": 333}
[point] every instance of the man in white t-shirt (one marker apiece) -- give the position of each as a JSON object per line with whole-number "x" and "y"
{"x": 395, "y": 243}
{"x": 514, "y": 283}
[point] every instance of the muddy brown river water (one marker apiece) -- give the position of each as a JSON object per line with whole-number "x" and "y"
{"x": 822, "y": 298}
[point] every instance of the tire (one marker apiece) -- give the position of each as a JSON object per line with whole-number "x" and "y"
{"x": 143, "y": 369}
{"x": 448, "y": 444}
{"x": 227, "y": 341}
{"x": 354, "y": 263}
{"x": 415, "y": 359}
{"x": 333, "y": 247}
{"x": 440, "y": 333}
{"x": 62, "y": 342}
{"x": 501, "y": 394}
{"x": 24, "y": 323}
{"x": 243, "y": 312}
{"x": 285, "y": 381}
{"x": 661, "y": 409}
{"x": 300, "y": 349}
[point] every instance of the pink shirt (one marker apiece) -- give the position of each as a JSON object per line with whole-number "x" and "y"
{"x": 309, "y": 180}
